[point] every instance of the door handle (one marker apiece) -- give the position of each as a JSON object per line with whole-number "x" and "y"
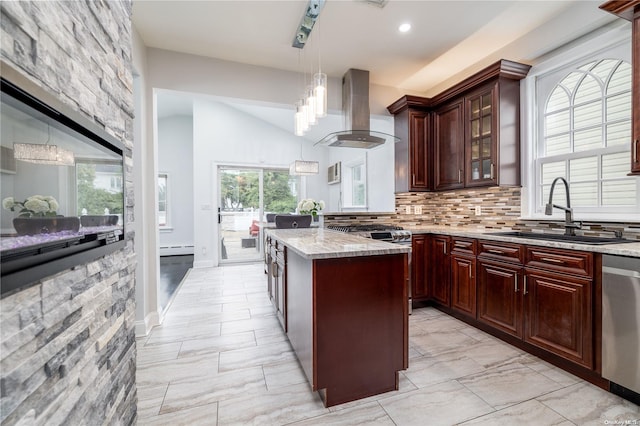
{"x": 219, "y": 216}
{"x": 635, "y": 151}
{"x": 515, "y": 283}
{"x": 459, "y": 176}
{"x": 525, "y": 285}
{"x": 492, "y": 171}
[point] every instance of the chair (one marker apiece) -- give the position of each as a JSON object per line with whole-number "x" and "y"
{"x": 292, "y": 221}
{"x": 254, "y": 229}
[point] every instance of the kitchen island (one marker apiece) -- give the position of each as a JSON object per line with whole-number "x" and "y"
{"x": 346, "y": 310}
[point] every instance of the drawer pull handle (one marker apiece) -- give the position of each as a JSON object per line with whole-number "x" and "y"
{"x": 551, "y": 260}
{"x": 495, "y": 251}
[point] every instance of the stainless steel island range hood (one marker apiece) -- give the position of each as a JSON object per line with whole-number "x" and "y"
{"x": 356, "y": 115}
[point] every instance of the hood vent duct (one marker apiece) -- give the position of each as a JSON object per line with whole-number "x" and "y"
{"x": 356, "y": 115}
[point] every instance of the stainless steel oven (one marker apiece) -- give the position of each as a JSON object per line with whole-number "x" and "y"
{"x": 389, "y": 233}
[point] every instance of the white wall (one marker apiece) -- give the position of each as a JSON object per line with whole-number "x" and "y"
{"x": 175, "y": 157}
{"x": 223, "y": 135}
{"x": 380, "y": 172}
{"x": 144, "y": 177}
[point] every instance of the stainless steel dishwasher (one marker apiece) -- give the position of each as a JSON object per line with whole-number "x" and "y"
{"x": 621, "y": 325}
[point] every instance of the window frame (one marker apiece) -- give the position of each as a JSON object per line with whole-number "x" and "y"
{"x": 614, "y": 39}
{"x": 347, "y": 183}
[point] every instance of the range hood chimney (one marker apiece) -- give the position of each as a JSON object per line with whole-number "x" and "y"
{"x": 356, "y": 115}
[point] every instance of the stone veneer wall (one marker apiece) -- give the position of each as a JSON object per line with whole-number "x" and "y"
{"x": 500, "y": 210}
{"x": 68, "y": 342}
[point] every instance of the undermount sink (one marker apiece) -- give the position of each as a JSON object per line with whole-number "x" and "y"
{"x": 578, "y": 239}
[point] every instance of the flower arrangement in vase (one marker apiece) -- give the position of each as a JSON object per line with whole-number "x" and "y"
{"x": 38, "y": 215}
{"x": 310, "y": 206}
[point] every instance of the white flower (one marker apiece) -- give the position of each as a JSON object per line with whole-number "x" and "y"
{"x": 8, "y": 203}
{"x": 308, "y": 205}
{"x": 53, "y": 204}
{"x": 321, "y": 204}
{"x": 36, "y": 205}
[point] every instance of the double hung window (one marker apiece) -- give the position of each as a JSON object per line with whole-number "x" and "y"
{"x": 583, "y": 135}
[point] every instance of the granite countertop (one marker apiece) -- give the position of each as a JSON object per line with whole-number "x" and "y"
{"x": 621, "y": 249}
{"x": 320, "y": 243}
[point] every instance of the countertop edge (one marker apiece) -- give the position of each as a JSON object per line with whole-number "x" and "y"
{"x": 623, "y": 249}
{"x": 359, "y": 246}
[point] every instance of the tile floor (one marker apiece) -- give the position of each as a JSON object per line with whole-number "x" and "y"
{"x": 221, "y": 358}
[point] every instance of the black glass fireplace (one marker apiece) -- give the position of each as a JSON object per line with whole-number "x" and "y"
{"x": 61, "y": 185}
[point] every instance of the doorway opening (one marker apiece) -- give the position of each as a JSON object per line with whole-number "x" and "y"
{"x": 246, "y": 196}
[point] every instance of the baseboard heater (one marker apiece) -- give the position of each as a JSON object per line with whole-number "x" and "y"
{"x": 176, "y": 250}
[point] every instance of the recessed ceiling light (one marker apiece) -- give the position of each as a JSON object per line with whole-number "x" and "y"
{"x": 404, "y": 27}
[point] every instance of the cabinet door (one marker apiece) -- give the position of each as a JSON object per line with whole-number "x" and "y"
{"x": 558, "y": 315}
{"x": 463, "y": 284}
{"x": 481, "y": 137}
{"x": 419, "y": 265}
{"x": 441, "y": 270}
{"x": 419, "y": 150}
{"x": 499, "y": 301}
{"x": 449, "y": 146}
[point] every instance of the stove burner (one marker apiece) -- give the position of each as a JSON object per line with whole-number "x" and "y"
{"x": 365, "y": 228}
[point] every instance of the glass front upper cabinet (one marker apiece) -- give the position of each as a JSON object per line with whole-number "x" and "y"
{"x": 61, "y": 185}
{"x": 481, "y": 137}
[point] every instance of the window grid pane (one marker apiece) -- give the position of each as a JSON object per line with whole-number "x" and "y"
{"x": 583, "y": 169}
{"x": 619, "y": 193}
{"x": 588, "y": 90}
{"x": 619, "y": 133}
{"x": 589, "y": 131}
{"x": 584, "y": 140}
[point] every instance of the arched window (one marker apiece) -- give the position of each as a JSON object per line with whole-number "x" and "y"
{"x": 584, "y": 136}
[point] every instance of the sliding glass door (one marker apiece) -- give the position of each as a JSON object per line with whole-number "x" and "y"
{"x": 246, "y": 196}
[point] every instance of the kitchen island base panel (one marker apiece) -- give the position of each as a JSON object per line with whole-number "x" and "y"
{"x": 353, "y": 312}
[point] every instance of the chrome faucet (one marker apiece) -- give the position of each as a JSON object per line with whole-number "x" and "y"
{"x": 569, "y": 225}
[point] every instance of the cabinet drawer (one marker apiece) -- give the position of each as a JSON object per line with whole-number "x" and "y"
{"x": 513, "y": 253}
{"x": 564, "y": 261}
{"x": 463, "y": 245}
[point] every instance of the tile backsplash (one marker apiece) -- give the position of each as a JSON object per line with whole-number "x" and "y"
{"x": 498, "y": 208}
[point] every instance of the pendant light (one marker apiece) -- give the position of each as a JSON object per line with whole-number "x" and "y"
{"x": 320, "y": 85}
{"x": 313, "y": 103}
{"x": 43, "y": 153}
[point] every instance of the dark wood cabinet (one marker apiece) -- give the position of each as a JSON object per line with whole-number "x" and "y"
{"x": 492, "y": 134}
{"x": 475, "y": 134}
{"x": 440, "y": 288}
{"x": 463, "y": 276}
{"x": 558, "y": 315}
{"x": 419, "y": 267}
{"x": 412, "y": 124}
{"x": 558, "y": 292}
{"x": 449, "y": 146}
{"x": 630, "y": 10}
{"x": 499, "y": 301}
